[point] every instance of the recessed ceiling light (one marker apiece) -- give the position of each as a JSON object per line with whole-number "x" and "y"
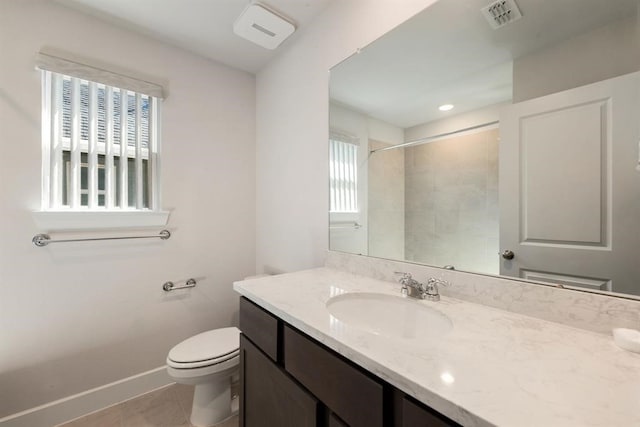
{"x": 445, "y": 107}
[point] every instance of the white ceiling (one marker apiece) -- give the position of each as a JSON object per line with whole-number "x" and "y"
{"x": 449, "y": 54}
{"x": 204, "y": 27}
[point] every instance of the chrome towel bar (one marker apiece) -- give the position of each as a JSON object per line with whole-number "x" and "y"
{"x": 170, "y": 286}
{"x": 44, "y": 239}
{"x": 348, "y": 225}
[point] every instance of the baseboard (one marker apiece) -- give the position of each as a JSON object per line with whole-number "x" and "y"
{"x": 89, "y": 401}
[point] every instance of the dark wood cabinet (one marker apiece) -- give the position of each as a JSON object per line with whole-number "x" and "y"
{"x": 334, "y": 421}
{"x": 261, "y": 327}
{"x": 268, "y": 396}
{"x": 349, "y": 392}
{"x": 415, "y": 414}
{"x": 288, "y": 379}
{"x": 346, "y": 390}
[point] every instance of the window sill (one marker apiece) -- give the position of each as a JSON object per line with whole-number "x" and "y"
{"x": 344, "y": 216}
{"x": 85, "y": 220}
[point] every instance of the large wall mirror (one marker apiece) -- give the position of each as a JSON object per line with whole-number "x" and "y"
{"x": 498, "y": 138}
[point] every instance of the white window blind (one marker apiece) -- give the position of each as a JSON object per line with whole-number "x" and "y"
{"x": 343, "y": 173}
{"x": 49, "y": 62}
{"x": 100, "y": 143}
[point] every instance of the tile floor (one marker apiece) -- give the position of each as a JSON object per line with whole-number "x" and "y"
{"x": 166, "y": 407}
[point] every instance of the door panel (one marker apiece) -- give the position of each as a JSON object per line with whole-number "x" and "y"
{"x": 569, "y": 190}
{"x": 567, "y": 280}
{"x": 573, "y": 178}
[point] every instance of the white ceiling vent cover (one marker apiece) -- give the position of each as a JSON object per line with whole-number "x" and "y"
{"x": 262, "y": 26}
{"x": 501, "y": 12}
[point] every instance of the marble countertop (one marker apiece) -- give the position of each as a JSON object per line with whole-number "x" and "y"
{"x": 493, "y": 368}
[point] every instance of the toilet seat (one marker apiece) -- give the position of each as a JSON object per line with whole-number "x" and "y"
{"x": 206, "y": 349}
{"x": 201, "y": 363}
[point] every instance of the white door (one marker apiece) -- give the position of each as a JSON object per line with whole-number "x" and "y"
{"x": 569, "y": 187}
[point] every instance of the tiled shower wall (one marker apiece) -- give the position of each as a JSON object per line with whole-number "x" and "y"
{"x": 451, "y": 199}
{"x": 386, "y": 202}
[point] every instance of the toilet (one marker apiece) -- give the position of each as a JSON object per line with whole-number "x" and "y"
{"x": 209, "y": 361}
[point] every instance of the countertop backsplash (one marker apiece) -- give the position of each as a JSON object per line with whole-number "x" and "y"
{"x": 585, "y": 310}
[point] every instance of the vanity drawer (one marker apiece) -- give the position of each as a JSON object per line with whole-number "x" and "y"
{"x": 260, "y": 327}
{"x": 344, "y": 388}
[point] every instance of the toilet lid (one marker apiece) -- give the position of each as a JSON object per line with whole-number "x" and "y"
{"x": 207, "y": 346}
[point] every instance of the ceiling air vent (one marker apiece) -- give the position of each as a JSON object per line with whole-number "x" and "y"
{"x": 262, "y": 26}
{"x": 501, "y": 12}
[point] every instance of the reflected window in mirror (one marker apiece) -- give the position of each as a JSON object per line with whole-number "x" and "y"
{"x": 343, "y": 173}
{"x": 347, "y": 215}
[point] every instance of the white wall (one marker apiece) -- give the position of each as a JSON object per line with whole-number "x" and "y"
{"x": 79, "y": 315}
{"x": 606, "y": 52}
{"x": 292, "y": 129}
{"x": 455, "y": 122}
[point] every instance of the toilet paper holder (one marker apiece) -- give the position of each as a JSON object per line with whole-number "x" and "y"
{"x": 170, "y": 286}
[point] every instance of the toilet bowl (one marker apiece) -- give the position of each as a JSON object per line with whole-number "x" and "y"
{"x": 208, "y": 361}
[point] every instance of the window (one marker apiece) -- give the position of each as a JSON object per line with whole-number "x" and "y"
{"x": 99, "y": 140}
{"x": 100, "y": 143}
{"x": 343, "y": 173}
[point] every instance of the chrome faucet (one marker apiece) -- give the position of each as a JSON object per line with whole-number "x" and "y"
{"x": 415, "y": 289}
{"x": 410, "y": 286}
{"x": 432, "y": 291}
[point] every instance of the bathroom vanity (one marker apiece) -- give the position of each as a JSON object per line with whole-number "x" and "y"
{"x": 305, "y": 363}
{"x": 290, "y": 379}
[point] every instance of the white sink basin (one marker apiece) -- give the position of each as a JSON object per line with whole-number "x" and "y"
{"x": 388, "y": 315}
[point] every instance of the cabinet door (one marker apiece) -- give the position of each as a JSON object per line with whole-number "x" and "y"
{"x": 346, "y": 390}
{"x": 268, "y": 397}
{"x": 417, "y": 415}
{"x": 334, "y": 421}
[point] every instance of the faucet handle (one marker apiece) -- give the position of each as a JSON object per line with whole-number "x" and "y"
{"x": 442, "y": 282}
{"x": 406, "y": 277}
{"x": 431, "y": 289}
{"x": 405, "y": 281}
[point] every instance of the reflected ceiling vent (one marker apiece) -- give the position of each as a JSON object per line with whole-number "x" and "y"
{"x": 262, "y": 26}
{"x": 501, "y": 12}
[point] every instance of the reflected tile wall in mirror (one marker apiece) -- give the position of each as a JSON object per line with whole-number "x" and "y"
{"x": 452, "y": 202}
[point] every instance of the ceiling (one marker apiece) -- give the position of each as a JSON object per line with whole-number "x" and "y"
{"x": 448, "y": 53}
{"x": 204, "y": 27}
